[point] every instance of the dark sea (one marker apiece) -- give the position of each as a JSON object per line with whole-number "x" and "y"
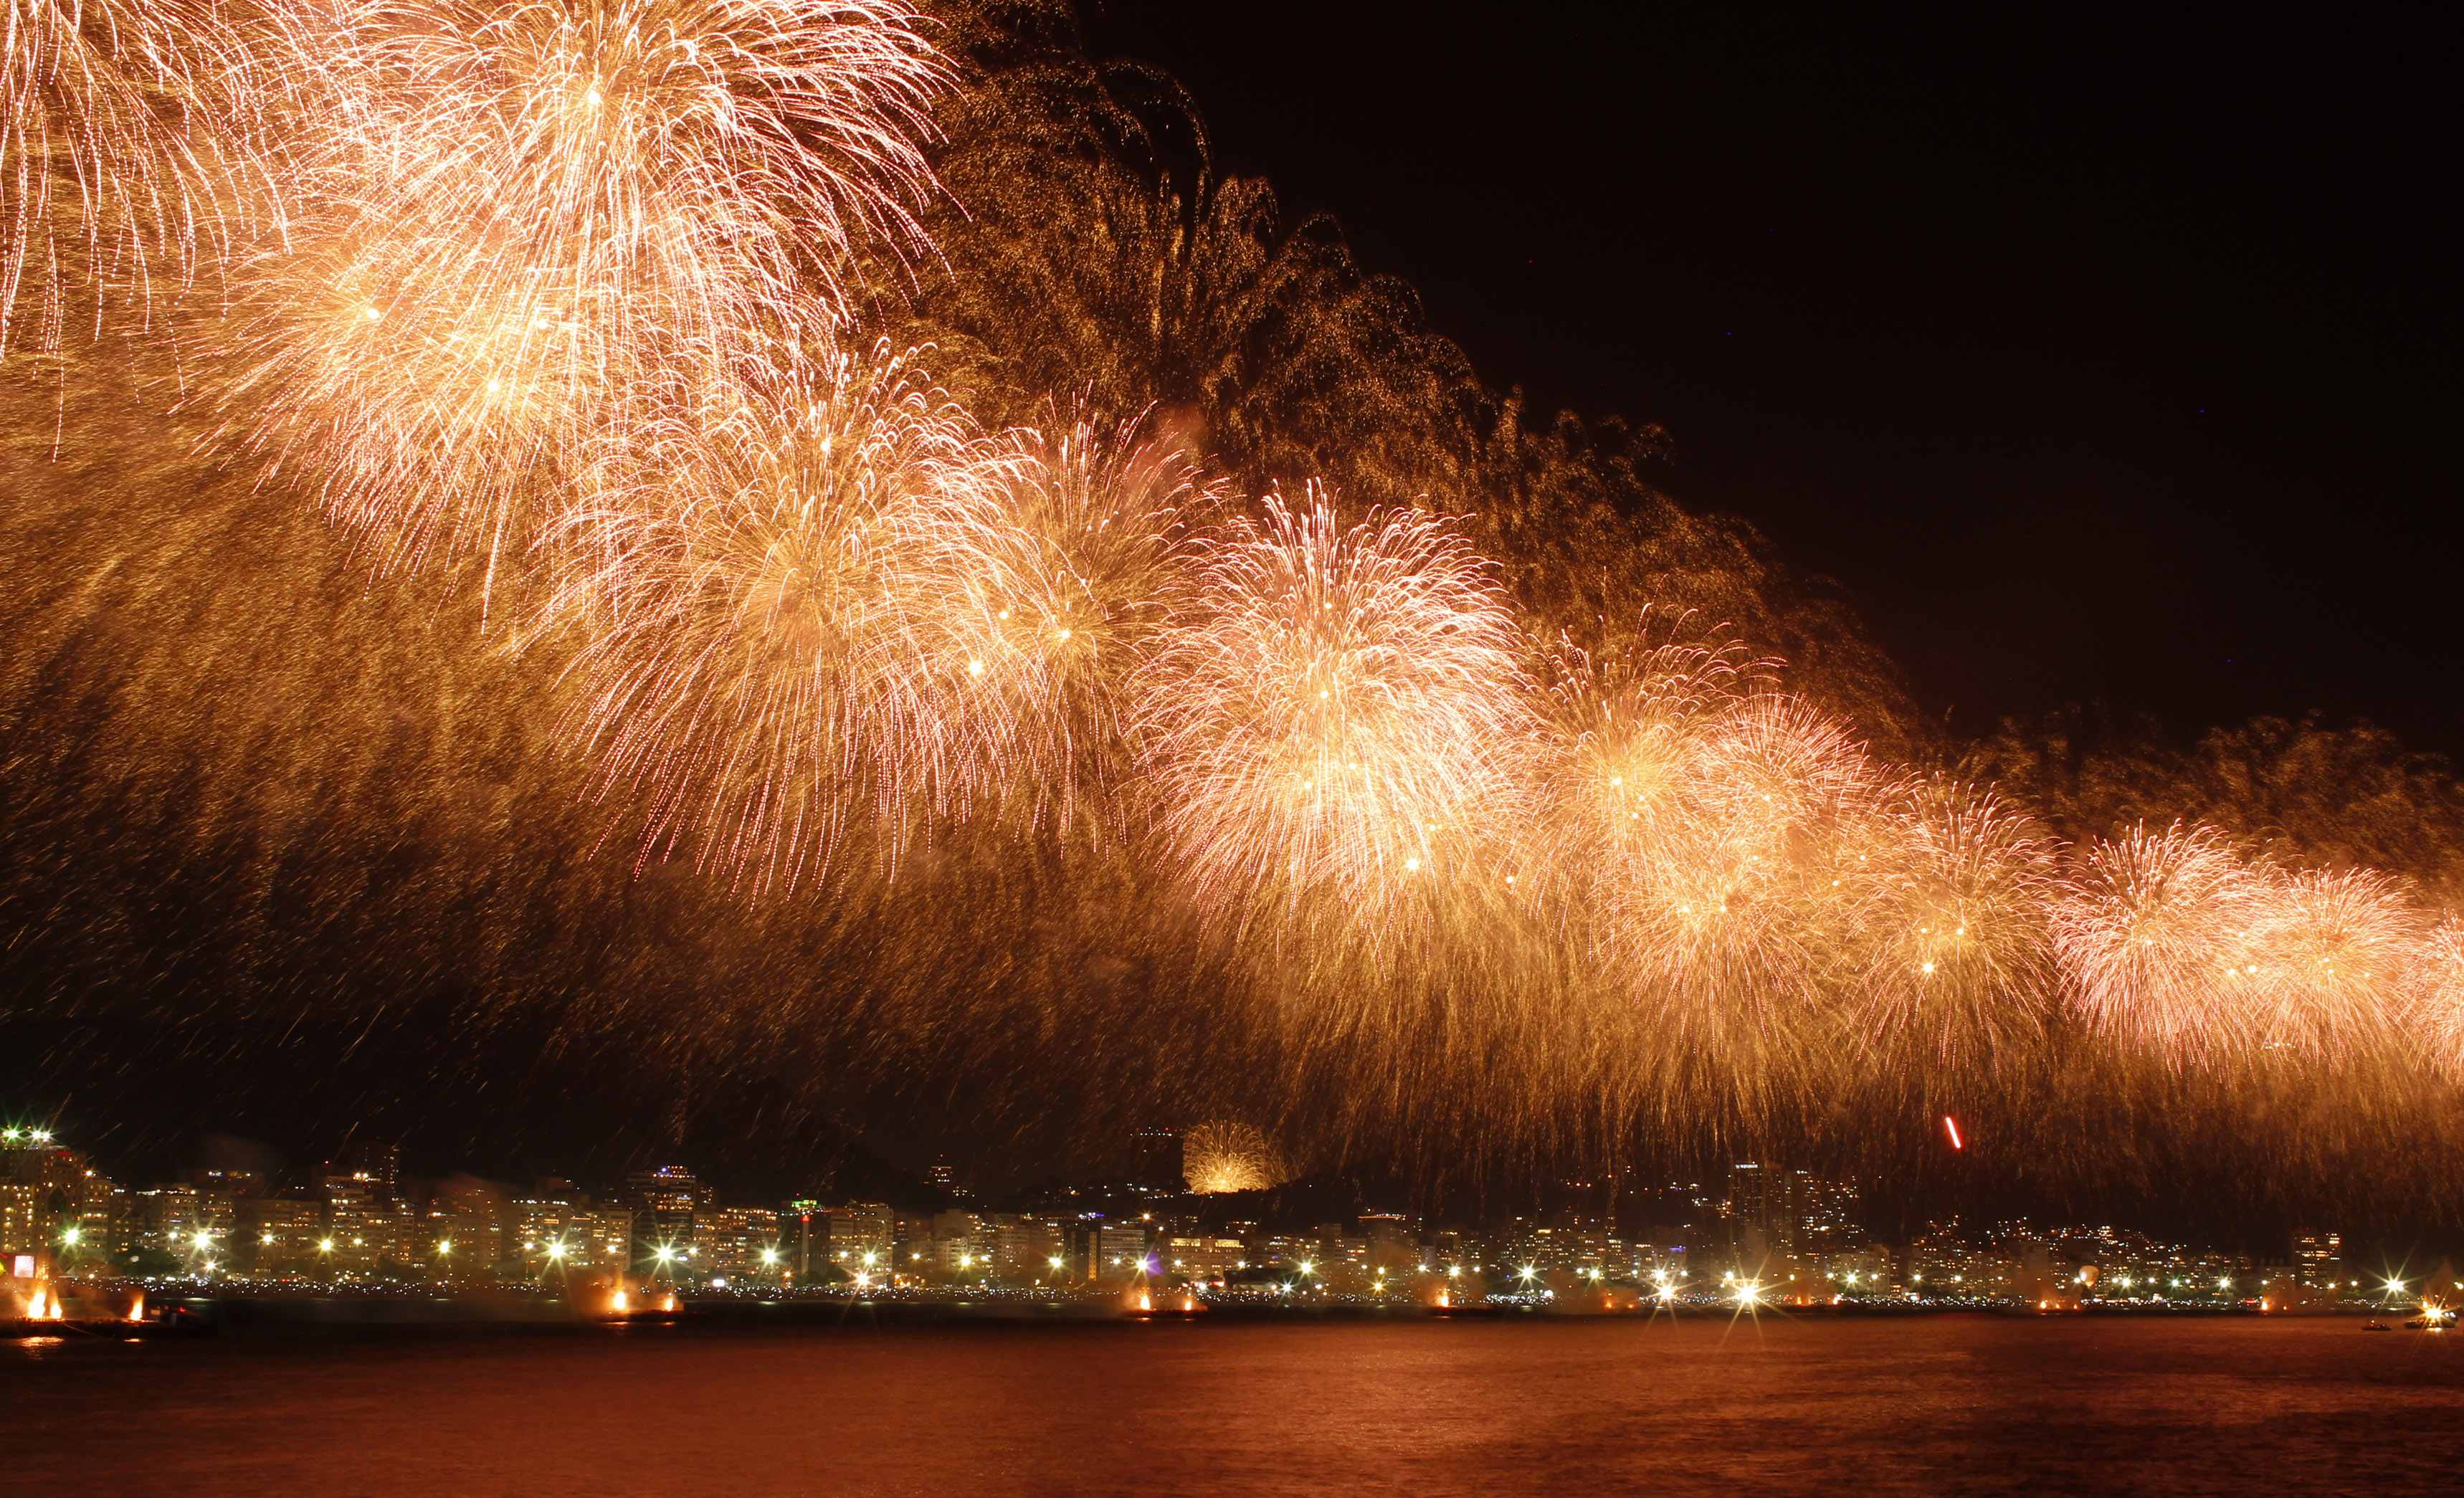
{"x": 1943, "y": 1404}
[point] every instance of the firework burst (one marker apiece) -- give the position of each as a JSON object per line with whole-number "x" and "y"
{"x": 2149, "y": 929}
{"x": 782, "y": 638}
{"x": 1334, "y": 736}
{"x": 1226, "y": 1156}
{"x": 1098, "y": 565}
{"x": 2438, "y": 1013}
{"x": 1715, "y": 894}
{"x": 2325, "y": 963}
{"x": 513, "y": 215}
{"x": 1950, "y": 954}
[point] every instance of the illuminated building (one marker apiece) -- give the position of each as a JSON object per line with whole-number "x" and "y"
{"x": 1023, "y": 1247}
{"x": 170, "y": 1218}
{"x": 378, "y": 1165}
{"x": 731, "y": 1240}
{"x": 2318, "y": 1256}
{"x": 45, "y": 1186}
{"x": 664, "y": 1201}
{"x": 279, "y": 1235}
{"x": 1762, "y": 1199}
{"x": 24, "y": 1222}
{"x": 1120, "y": 1250}
{"x": 1200, "y": 1256}
{"x": 357, "y": 1223}
{"x": 856, "y": 1228}
{"x": 601, "y": 1238}
{"x": 465, "y": 1231}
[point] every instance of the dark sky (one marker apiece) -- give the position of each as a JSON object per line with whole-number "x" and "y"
{"x": 2099, "y": 354}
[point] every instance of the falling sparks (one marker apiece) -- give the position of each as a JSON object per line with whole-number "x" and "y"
{"x": 600, "y": 293}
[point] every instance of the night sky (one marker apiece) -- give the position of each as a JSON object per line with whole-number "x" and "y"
{"x": 2099, "y": 354}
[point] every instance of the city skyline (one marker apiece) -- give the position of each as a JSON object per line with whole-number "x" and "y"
{"x": 357, "y": 1218}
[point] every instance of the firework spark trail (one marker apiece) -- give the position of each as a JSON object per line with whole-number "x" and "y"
{"x": 123, "y": 153}
{"x": 1339, "y": 728}
{"x": 777, "y": 632}
{"x": 511, "y": 215}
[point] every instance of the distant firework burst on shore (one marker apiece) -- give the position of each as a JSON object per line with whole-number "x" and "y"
{"x": 1225, "y": 1155}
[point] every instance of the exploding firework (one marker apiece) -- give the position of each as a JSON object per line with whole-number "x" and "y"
{"x": 2439, "y": 1016}
{"x": 1098, "y": 565}
{"x": 782, "y": 631}
{"x": 2325, "y": 965}
{"x": 1951, "y": 956}
{"x": 1228, "y": 1156}
{"x": 1627, "y": 732}
{"x": 512, "y": 218}
{"x": 1719, "y": 833}
{"x": 1334, "y": 735}
{"x": 2149, "y": 929}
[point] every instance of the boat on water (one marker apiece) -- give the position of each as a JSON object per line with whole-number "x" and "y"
{"x": 2374, "y": 1324}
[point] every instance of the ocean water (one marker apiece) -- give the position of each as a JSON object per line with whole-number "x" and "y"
{"x": 1918, "y": 1404}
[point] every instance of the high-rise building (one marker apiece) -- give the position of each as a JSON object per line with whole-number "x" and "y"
{"x": 664, "y": 1201}
{"x": 1155, "y": 1161}
{"x": 1024, "y": 1245}
{"x": 44, "y": 1186}
{"x": 1766, "y": 1207}
{"x": 380, "y": 1165}
{"x": 733, "y": 1240}
{"x": 1120, "y": 1250}
{"x": 183, "y": 1222}
{"x": 279, "y": 1235}
{"x": 856, "y": 1228}
{"x": 2318, "y": 1256}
